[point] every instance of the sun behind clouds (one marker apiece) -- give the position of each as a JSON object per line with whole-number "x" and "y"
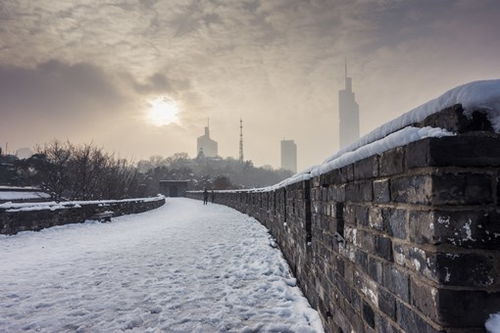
{"x": 163, "y": 111}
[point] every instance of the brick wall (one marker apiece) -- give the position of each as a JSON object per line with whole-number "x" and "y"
{"x": 12, "y": 221}
{"x": 404, "y": 241}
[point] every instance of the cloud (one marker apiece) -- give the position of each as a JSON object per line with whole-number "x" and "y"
{"x": 57, "y": 91}
{"x": 278, "y": 64}
{"x": 158, "y": 83}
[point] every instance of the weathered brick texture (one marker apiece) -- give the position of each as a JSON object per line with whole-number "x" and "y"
{"x": 405, "y": 241}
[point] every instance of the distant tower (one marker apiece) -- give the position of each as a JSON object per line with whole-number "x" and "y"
{"x": 289, "y": 155}
{"x": 206, "y": 146}
{"x": 241, "y": 140}
{"x": 348, "y": 114}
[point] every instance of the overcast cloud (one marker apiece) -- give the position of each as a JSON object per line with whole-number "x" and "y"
{"x": 84, "y": 70}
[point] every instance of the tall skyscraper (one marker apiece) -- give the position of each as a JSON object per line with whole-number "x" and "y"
{"x": 289, "y": 155}
{"x": 207, "y": 146}
{"x": 348, "y": 114}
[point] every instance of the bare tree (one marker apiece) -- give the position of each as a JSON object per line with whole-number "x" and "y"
{"x": 84, "y": 172}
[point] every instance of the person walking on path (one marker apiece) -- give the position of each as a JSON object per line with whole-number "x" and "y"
{"x": 213, "y": 196}
{"x": 205, "y": 196}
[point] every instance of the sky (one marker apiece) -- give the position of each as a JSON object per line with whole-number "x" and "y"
{"x": 92, "y": 70}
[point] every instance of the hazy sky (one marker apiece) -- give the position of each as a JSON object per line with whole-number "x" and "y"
{"x": 87, "y": 70}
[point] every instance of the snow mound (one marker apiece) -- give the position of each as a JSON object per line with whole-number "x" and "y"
{"x": 492, "y": 325}
{"x": 53, "y": 205}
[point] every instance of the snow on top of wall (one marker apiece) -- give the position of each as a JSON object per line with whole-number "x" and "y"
{"x": 21, "y": 195}
{"x": 492, "y": 325}
{"x": 474, "y": 96}
{"x": 396, "y": 139}
{"x": 477, "y": 95}
{"x": 18, "y": 188}
{"x": 52, "y": 205}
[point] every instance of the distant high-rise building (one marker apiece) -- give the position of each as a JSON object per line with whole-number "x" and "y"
{"x": 206, "y": 146}
{"x": 348, "y": 114}
{"x": 289, "y": 155}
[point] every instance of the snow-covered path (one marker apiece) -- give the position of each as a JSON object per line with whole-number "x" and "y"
{"x": 181, "y": 268}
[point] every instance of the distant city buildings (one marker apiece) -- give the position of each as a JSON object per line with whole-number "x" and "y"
{"x": 206, "y": 146}
{"x": 348, "y": 114}
{"x": 289, "y": 155}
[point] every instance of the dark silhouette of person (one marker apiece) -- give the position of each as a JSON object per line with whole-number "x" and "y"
{"x": 213, "y": 196}
{"x": 205, "y": 196}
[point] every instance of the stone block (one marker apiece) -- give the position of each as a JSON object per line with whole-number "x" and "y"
{"x": 375, "y": 218}
{"x": 381, "y": 191}
{"x": 410, "y": 321}
{"x": 392, "y": 162}
{"x": 463, "y": 228}
{"x": 412, "y": 189}
{"x": 375, "y": 269}
{"x": 366, "y": 168}
{"x": 395, "y": 222}
{"x": 387, "y": 303}
{"x": 383, "y": 247}
{"x": 443, "y": 189}
{"x": 361, "y": 191}
{"x": 468, "y": 151}
{"x": 383, "y": 325}
{"x": 462, "y": 188}
{"x": 361, "y": 260}
{"x": 337, "y": 193}
{"x": 397, "y": 281}
{"x": 355, "y": 214}
{"x": 346, "y": 174}
{"x": 454, "y": 120}
{"x": 417, "y": 154}
{"x": 456, "y": 269}
{"x": 368, "y": 315}
{"x": 365, "y": 240}
{"x": 424, "y": 298}
{"x": 466, "y": 308}
{"x": 337, "y": 209}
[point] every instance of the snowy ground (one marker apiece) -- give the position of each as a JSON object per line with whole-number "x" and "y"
{"x": 181, "y": 268}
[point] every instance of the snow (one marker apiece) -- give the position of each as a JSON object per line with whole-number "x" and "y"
{"x": 184, "y": 267}
{"x": 18, "y": 188}
{"x": 53, "y": 205}
{"x": 492, "y": 325}
{"x": 481, "y": 96}
{"x": 22, "y": 195}
{"x": 477, "y": 95}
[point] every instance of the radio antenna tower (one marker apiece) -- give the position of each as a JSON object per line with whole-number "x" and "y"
{"x": 241, "y": 140}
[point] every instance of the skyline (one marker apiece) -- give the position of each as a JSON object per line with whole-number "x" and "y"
{"x": 90, "y": 71}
